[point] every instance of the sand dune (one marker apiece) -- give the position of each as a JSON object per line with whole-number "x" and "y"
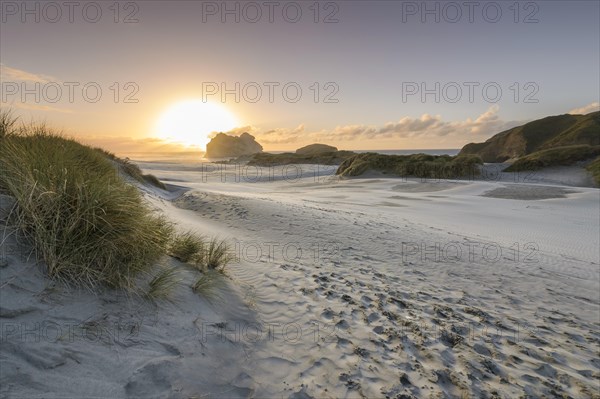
{"x": 340, "y": 288}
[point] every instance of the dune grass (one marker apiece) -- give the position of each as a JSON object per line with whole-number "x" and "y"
{"x": 208, "y": 285}
{"x": 416, "y": 165}
{"x": 209, "y": 258}
{"x": 84, "y": 221}
{"x": 558, "y": 156}
{"x": 7, "y": 123}
{"x": 217, "y": 255}
{"x": 594, "y": 169}
{"x": 191, "y": 248}
{"x": 131, "y": 169}
{"x": 163, "y": 283}
{"x": 188, "y": 247}
{"x": 135, "y": 172}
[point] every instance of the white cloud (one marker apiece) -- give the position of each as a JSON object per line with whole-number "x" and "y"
{"x": 595, "y": 106}
{"x": 35, "y": 107}
{"x": 12, "y": 74}
{"x": 431, "y": 127}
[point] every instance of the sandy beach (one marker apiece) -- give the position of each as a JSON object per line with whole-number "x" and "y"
{"x": 340, "y": 288}
{"x": 299, "y": 199}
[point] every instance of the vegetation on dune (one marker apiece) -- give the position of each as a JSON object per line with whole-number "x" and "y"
{"x": 541, "y": 134}
{"x": 558, "y": 156}
{"x": 188, "y": 248}
{"x": 163, "y": 283}
{"x": 88, "y": 225}
{"x": 217, "y": 255}
{"x": 594, "y": 169}
{"x": 7, "y": 123}
{"x": 191, "y": 248}
{"x": 207, "y": 285}
{"x": 209, "y": 258}
{"x": 417, "y": 165}
{"x": 132, "y": 170}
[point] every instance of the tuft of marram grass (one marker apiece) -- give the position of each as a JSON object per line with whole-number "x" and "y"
{"x": 163, "y": 283}
{"x": 217, "y": 255}
{"x": 207, "y": 285}
{"x": 187, "y": 247}
{"x": 153, "y": 180}
{"x": 7, "y": 123}
{"x": 191, "y": 248}
{"x": 84, "y": 221}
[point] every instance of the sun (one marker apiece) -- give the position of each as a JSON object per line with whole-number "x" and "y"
{"x": 190, "y": 122}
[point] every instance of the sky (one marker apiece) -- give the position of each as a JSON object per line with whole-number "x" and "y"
{"x": 158, "y": 76}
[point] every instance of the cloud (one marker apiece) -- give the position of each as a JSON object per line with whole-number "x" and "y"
{"x": 427, "y": 127}
{"x": 426, "y": 131}
{"x": 595, "y": 106}
{"x": 268, "y": 137}
{"x": 36, "y": 107}
{"x": 13, "y": 74}
{"x": 9, "y": 74}
{"x": 235, "y": 131}
{"x": 430, "y": 127}
{"x": 281, "y": 135}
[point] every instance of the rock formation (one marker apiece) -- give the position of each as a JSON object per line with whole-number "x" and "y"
{"x": 225, "y": 146}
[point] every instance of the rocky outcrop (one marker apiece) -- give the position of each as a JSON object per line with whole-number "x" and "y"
{"x": 225, "y": 146}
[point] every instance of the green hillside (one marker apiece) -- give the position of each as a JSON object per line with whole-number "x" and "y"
{"x": 541, "y": 134}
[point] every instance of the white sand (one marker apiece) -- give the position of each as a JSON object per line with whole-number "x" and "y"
{"x": 353, "y": 288}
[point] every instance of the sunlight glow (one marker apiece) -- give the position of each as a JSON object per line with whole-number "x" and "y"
{"x": 190, "y": 122}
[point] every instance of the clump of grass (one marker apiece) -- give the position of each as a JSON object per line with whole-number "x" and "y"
{"x": 217, "y": 255}
{"x": 163, "y": 283}
{"x": 135, "y": 172}
{"x": 207, "y": 285}
{"x": 188, "y": 248}
{"x": 130, "y": 168}
{"x": 83, "y": 220}
{"x": 7, "y": 123}
{"x": 153, "y": 180}
{"x": 191, "y": 248}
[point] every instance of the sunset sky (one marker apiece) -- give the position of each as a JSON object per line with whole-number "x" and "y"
{"x": 361, "y": 67}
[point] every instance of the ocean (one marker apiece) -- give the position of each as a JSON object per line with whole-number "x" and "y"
{"x": 452, "y": 151}
{"x": 197, "y": 157}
